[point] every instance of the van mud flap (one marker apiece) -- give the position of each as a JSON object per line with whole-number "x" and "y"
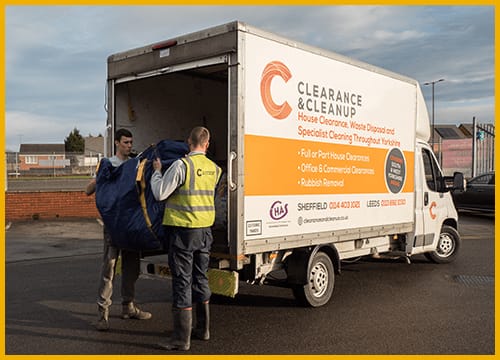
{"x": 221, "y": 282}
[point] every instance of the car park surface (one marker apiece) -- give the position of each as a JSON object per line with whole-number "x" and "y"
{"x": 380, "y": 306}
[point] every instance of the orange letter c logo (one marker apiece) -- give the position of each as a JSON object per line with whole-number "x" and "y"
{"x": 431, "y": 208}
{"x": 274, "y": 68}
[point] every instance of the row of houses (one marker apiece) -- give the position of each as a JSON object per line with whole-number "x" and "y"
{"x": 456, "y": 147}
{"x": 52, "y": 159}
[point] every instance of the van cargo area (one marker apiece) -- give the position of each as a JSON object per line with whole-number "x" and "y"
{"x": 168, "y": 106}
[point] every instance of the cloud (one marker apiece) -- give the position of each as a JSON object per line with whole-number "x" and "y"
{"x": 21, "y": 125}
{"x": 56, "y": 55}
{"x": 462, "y": 112}
{"x": 397, "y": 37}
{"x": 26, "y": 127}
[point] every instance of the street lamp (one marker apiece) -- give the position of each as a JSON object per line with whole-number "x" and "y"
{"x": 432, "y": 83}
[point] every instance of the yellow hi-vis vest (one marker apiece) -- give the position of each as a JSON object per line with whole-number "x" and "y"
{"x": 192, "y": 204}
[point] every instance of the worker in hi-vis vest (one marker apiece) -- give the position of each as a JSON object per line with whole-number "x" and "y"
{"x": 188, "y": 186}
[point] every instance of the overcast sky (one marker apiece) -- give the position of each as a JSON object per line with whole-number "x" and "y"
{"x": 56, "y": 55}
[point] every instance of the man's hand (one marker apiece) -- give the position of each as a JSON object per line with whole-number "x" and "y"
{"x": 157, "y": 164}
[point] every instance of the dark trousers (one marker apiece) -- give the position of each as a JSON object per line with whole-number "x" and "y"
{"x": 188, "y": 259}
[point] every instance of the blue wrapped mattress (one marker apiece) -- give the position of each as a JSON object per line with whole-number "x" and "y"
{"x": 124, "y": 199}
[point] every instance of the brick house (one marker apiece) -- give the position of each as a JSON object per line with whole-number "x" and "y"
{"x": 42, "y": 158}
{"x": 94, "y": 150}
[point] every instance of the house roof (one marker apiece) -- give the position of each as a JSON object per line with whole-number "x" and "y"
{"x": 464, "y": 130}
{"x": 94, "y": 145}
{"x": 449, "y": 132}
{"x": 467, "y": 129}
{"x": 41, "y": 149}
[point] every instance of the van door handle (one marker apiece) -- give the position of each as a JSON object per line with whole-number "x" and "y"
{"x": 426, "y": 198}
{"x": 231, "y": 183}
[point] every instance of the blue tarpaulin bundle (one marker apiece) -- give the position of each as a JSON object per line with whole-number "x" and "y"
{"x": 124, "y": 199}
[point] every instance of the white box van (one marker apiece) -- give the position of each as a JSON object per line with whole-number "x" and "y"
{"x": 326, "y": 157}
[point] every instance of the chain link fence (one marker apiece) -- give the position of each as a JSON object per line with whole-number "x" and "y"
{"x": 51, "y": 165}
{"x": 49, "y": 172}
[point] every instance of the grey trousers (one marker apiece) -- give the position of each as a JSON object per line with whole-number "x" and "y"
{"x": 130, "y": 273}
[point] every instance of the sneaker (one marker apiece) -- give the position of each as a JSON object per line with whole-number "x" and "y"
{"x": 130, "y": 311}
{"x": 103, "y": 322}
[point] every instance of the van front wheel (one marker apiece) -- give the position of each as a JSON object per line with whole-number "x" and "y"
{"x": 447, "y": 247}
{"x": 320, "y": 282}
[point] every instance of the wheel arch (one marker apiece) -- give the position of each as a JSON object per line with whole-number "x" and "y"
{"x": 332, "y": 253}
{"x": 447, "y": 251}
{"x": 451, "y": 222}
{"x": 299, "y": 261}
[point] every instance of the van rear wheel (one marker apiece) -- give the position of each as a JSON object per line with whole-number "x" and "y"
{"x": 320, "y": 282}
{"x": 447, "y": 247}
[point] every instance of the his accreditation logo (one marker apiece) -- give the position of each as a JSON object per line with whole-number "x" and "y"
{"x": 278, "y": 210}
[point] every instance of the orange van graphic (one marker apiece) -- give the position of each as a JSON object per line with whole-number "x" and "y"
{"x": 274, "y": 68}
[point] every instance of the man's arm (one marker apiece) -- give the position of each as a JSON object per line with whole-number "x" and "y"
{"x": 163, "y": 186}
{"x": 90, "y": 189}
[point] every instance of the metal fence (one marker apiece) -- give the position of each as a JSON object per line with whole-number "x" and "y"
{"x": 483, "y": 148}
{"x": 52, "y": 165}
{"x": 471, "y": 155}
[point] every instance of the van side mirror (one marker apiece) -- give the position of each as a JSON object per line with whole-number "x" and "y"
{"x": 458, "y": 181}
{"x": 455, "y": 182}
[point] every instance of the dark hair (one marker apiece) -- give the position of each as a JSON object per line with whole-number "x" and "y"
{"x": 122, "y": 132}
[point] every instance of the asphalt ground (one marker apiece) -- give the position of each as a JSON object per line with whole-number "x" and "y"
{"x": 43, "y": 239}
{"x": 378, "y": 307}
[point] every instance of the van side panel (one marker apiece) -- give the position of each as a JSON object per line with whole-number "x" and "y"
{"x": 329, "y": 146}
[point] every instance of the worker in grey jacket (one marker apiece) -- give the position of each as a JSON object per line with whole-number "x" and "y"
{"x": 130, "y": 259}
